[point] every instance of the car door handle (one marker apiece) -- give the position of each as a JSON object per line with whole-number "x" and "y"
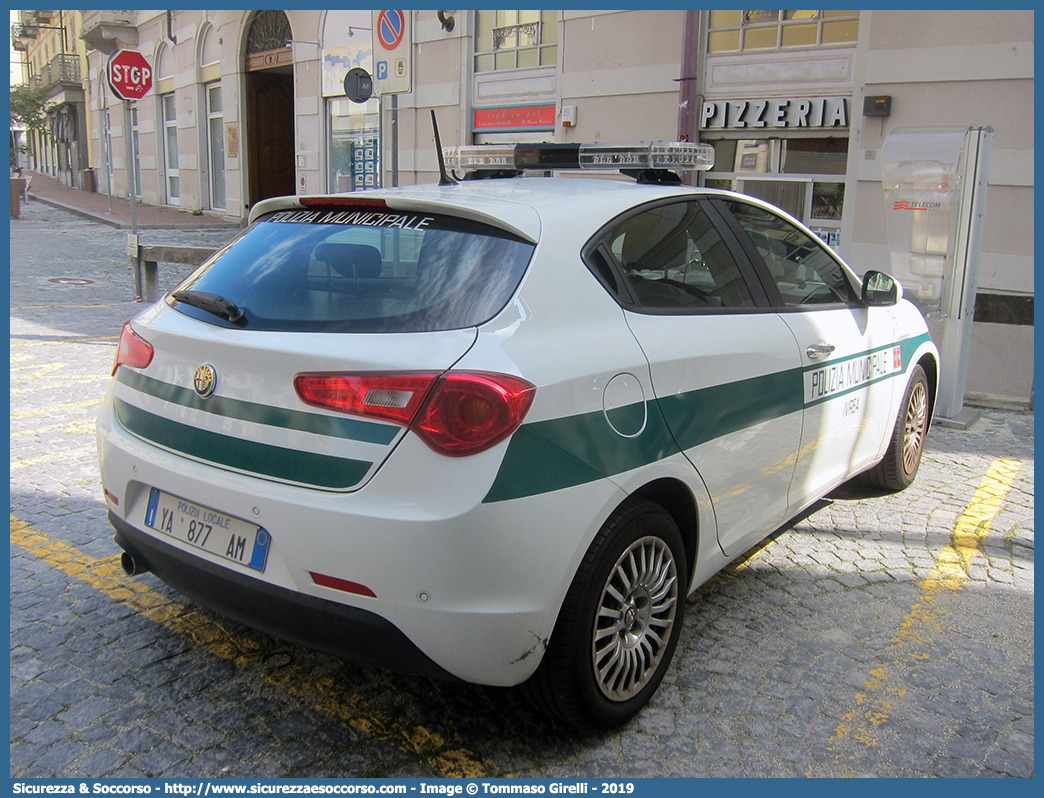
{"x": 819, "y": 350}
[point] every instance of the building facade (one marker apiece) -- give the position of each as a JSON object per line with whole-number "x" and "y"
{"x": 797, "y": 105}
{"x": 54, "y": 60}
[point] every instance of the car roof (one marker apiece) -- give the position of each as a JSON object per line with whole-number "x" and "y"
{"x": 525, "y": 206}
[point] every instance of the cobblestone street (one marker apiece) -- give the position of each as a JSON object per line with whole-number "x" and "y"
{"x": 887, "y": 636}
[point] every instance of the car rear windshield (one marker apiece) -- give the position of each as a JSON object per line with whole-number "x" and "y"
{"x": 360, "y": 269}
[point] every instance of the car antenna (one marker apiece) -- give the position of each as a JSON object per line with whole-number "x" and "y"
{"x": 444, "y": 178}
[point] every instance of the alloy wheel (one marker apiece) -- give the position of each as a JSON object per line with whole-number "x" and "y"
{"x": 635, "y": 617}
{"x": 916, "y": 422}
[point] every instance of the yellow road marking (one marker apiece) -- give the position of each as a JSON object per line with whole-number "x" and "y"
{"x": 975, "y": 522}
{"x": 34, "y": 372}
{"x": 54, "y": 457}
{"x": 743, "y": 562}
{"x": 66, "y": 382}
{"x": 41, "y": 369}
{"x": 918, "y": 632}
{"x": 327, "y": 694}
{"x": 40, "y": 411}
{"x": 72, "y": 427}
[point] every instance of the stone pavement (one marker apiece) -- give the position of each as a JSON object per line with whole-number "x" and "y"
{"x": 877, "y": 635}
{"x": 115, "y": 211}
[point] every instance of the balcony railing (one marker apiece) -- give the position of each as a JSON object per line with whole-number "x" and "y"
{"x": 60, "y": 69}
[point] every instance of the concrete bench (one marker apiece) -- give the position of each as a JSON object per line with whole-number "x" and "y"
{"x": 146, "y": 277}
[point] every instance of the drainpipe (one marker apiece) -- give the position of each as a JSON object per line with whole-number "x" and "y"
{"x": 689, "y": 98}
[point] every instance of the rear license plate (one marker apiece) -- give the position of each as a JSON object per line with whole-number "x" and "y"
{"x": 233, "y": 539}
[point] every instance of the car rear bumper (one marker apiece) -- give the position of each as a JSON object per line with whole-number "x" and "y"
{"x": 347, "y": 632}
{"x": 453, "y": 585}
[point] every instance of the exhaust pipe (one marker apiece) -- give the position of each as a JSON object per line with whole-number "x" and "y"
{"x": 132, "y": 566}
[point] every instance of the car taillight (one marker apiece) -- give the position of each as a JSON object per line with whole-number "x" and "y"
{"x": 469, "y": 412}
{"x": 133, "y": 351}
{"x": 456, "y": 414}
{"x": 392, "y": 396}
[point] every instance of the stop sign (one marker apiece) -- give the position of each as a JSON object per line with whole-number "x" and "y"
{"x": 130, "y": 75}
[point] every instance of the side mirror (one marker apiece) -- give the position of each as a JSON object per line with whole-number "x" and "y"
{"x": 880, "y": 289}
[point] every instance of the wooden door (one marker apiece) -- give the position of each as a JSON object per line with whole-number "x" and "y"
{"x": 270, "y": 144}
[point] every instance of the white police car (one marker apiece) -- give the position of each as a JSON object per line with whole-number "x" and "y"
{"x": 497, "y": 430}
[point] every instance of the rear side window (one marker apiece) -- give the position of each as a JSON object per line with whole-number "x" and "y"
{"x": 674, "y": 260}
{"x": 362, "y": 270}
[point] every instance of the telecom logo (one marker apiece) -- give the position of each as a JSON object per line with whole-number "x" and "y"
{"x": 907, "y": 205}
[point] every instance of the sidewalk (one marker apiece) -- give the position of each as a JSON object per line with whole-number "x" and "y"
{"x": 116, "y": 213}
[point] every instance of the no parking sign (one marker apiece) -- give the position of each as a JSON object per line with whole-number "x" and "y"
{"x": 392, "y": 52}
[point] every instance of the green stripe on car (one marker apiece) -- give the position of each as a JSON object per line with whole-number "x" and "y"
{"x": 564, "y": 452}
{"x": 335, "y": 427}
{"x": 276, "y": 462}
{"x": 911, "y": 345}
{"x": 702, "y": 415}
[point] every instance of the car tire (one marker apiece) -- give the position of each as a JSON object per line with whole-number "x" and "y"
{"x": 899, "y": 466}
{"x": 619, "y": 624}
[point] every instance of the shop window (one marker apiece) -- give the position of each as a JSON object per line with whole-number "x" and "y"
{"x": 354, "y": 145}
{"x": 792, "y": 156}
{"x": 821, "y": 156}
{"x": 735, "y": 31}
{"x": 352, "y": 129}
{"x": 216, "y": 145}
{"x": 506, "y": 40}
{"x": 167, "y": 127}
{"x": 786, "y": 194}
{"x": 170, "y": 147}
{"x": 803, "y": 176}
{"x": 828, "y": 199}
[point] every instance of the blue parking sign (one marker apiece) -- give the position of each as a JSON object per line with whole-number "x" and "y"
{"x": 392, "y": 38}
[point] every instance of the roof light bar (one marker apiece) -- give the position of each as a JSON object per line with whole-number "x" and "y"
{"x": 674, "y": 155}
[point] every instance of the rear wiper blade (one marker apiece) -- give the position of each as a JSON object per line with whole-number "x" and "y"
{"x": 212, "y": 303}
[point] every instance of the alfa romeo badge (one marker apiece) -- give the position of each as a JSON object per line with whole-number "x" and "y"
{"x": 205, "y": 380}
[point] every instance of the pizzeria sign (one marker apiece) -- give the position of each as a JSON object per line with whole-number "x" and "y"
{"x": 794, "y": 112}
